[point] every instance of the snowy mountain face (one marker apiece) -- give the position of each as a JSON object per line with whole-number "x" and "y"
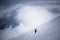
{"x": 19, "y": 19}
{"x": 47, "y": 31}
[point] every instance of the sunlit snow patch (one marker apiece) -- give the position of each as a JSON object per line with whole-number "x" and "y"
{"x": 32, "y": 17}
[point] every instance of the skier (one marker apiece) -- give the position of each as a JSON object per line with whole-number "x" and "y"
{"x": 35, "y": 30}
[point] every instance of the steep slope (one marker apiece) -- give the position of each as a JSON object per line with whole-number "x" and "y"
{"x": 48, "y": 31}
